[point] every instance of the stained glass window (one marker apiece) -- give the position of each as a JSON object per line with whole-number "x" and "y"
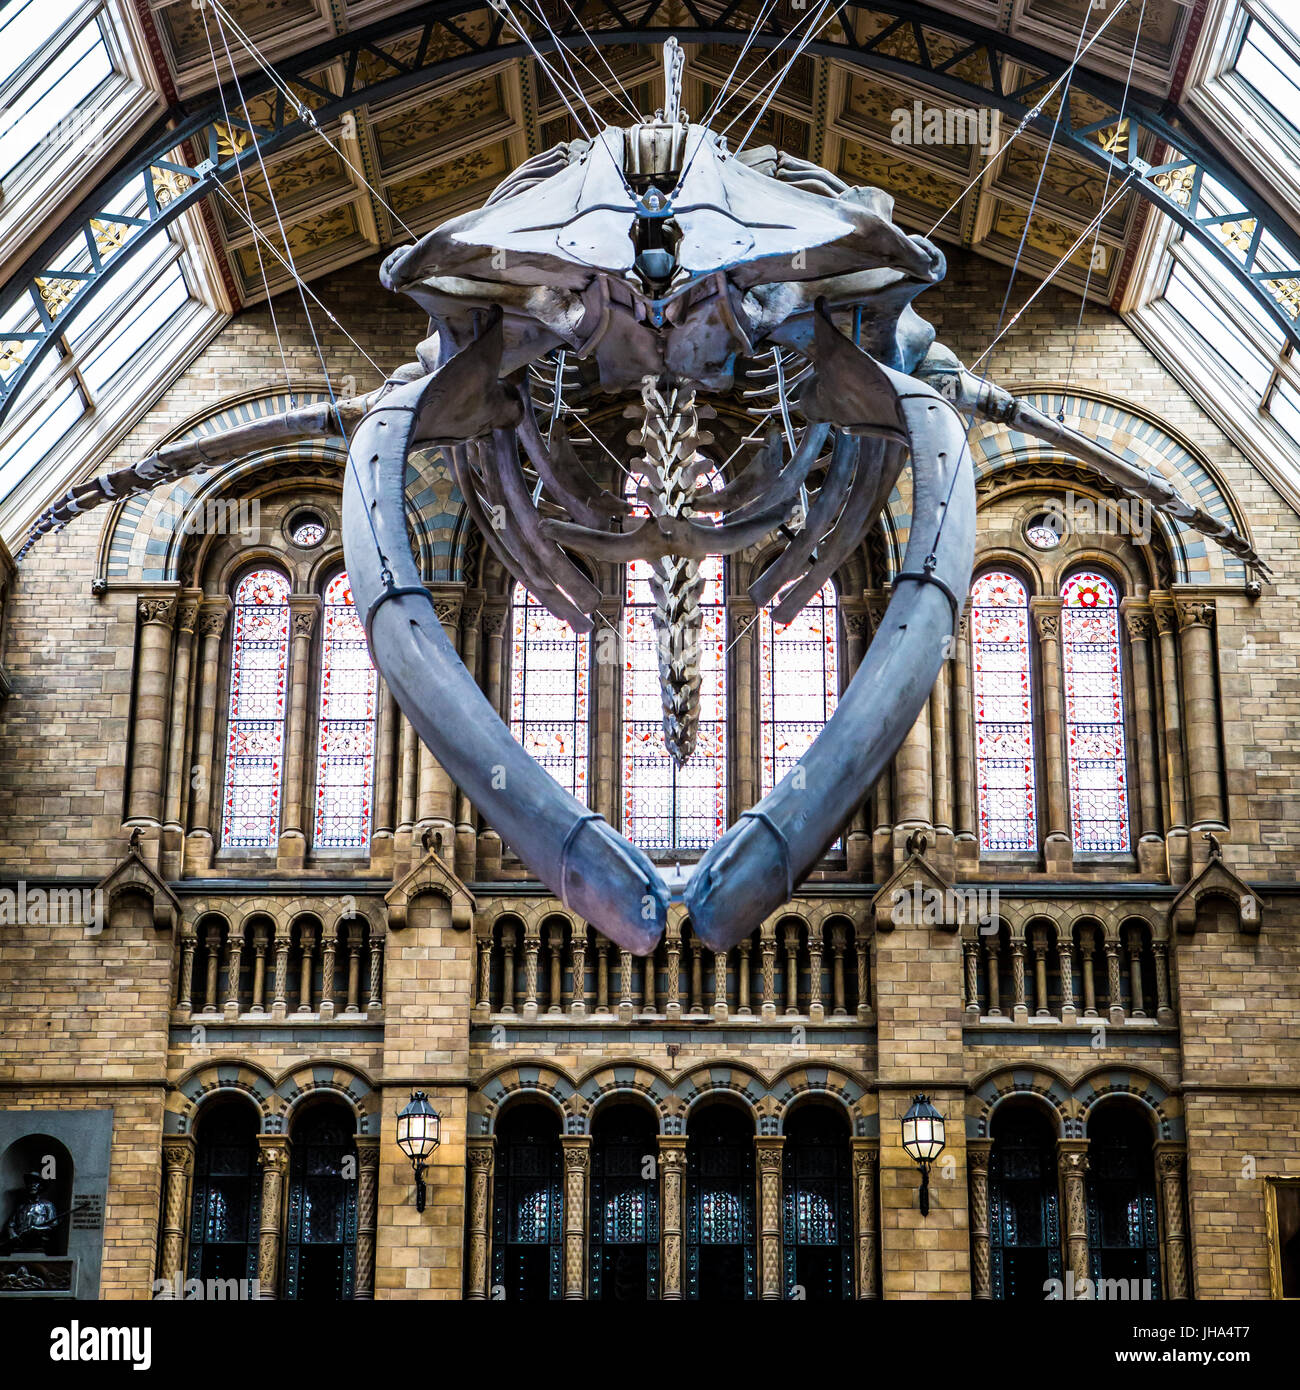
{"x": 720, "y": 1244}
{"x": 320, "y": 1262}
{"x": 1004, "y": 714}
{"x": 798, "y": 682}
{"x": 527, "y": 1207}
{"x": 307, "y": 532}
{"x": 259, "y": 660}
{"x": 550, "y": 691}
{"x": 1094, "y": 713}
{"x": 624, "y": 1238}
{"x": 817, "y": 1220}
{"x": 666, "y": 807}
{"x": 345, "y": 762}
{"x": 226, "y": 1209}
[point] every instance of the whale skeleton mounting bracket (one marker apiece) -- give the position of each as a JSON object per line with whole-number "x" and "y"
{"x": 651, "y": 268}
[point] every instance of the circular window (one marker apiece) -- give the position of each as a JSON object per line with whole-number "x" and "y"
{"x": 307, "y": 530}
{"x": 1044, "y": 530}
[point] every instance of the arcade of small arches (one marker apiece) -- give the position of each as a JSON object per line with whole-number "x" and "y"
{"x": 629, "y": 1183}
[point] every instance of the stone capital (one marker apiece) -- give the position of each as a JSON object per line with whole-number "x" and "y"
{"x": 304, "y": 609}
{"x": 157, "y": 609}
{"x": 273, "y": 1153}
{"x": 979, "y": 1153}
{"x": 1194, "y": 613}
{"x": 213, "y": 613}
{"x": 1047, "y": 615}
{"x": 495, "y": 612}
{"x": 1138, "y": 619}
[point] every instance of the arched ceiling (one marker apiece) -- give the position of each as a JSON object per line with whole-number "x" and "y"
{"x": 440, "y": 147}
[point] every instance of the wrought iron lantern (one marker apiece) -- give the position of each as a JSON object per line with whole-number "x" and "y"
{"x": 418, "y": 1134}
{"x": 923, "y": 1139}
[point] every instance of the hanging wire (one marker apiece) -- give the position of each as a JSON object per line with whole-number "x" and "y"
{"x": 243, "y": 188}
{"x": 723, "y": 93}
{"x": 1092, "y": 258}
{"x": 303, "y": 295}
{"x": 305, "y": 113}
{"x": 621, "y": 95}
{"x": 1030, "y": 115}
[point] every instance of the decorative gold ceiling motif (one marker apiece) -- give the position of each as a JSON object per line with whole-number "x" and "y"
{"x": 437, "y": 150}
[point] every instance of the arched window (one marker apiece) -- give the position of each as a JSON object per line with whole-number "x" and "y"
{"x": 321, "y": 1249}
{"x": 666, "y": 807}
{"x": 721, "y": 1262}
{"x": 527, "y": 1207}
{"x": 1004, "y": 713}
{"x": 259, "y": 664}
{"x": 226, "y": 1210}
{"x": 345, "y": 761}
{"x": 624, "y": 1205}
{"x": 817, "y": 1223}
{"x": 550, "y": 691}
{"x": 1094, "y": 713}
{"x": 1123, "y": 1229}
{"x": 1024, "y": 1213}
{"x": 799, "y": 682}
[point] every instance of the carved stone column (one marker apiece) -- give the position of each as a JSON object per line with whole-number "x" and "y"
{"x": 941, "y": 767}
{"x": 862, "y": 946}
{"x": 234, "y": 966}
{"x": 328, "y": 951}
{"x": 720, "y": 985}
{"x": 767, "y": 968}
{"x": 602, "y": 974}
{"x": 1087, "y": 947}
{"x": 1019, "y": 1004}
{"x": 1141, "y": 626}
{"x": 626, "y": 1006}
{"x": 792, "y": 969}
{"x": 857, "y": 844}
{"x": 273, "y": 1156}
{"x": 532, "y": 950}
{"x": 306, "y": 955}
{"x": 1170, "y": 1160}
{"x": 178, "y": 1167}
{"x": 1114, "y": 1004}
{"x": 1166, "y": 620}
{"x": 495, "y": 615}
{"x": 816, "y": 1009}
{"x": 1065, "y": 963}
{"x": 979, "y": 1152}
{"x": 367, "y": 1208}
{"x": 1200, "y": 706}
{"x": 555, "y": 993}
{"x": 839, "y": 942}
{"x": 1058, "y": 849}
{"x": 387, "y": 776}
{"x": 304, "y": 609}
{"x": 967, "y": 842}
{"x": 672, "y": 1197}
{"x": 471, "y": 621}
{"x": 971, "y": 953}
{"x": 355, "y": 941}
{"x": 578, "y": 957}
{"x": 1039, "y": 945}
{"x": 742, "y": 978}
{"x": 185, "y": 983}
{"x": 577, "y": 1163}
{"x": 179, "y": 733}
{"x": 1134, "y": 946}
{"x": 769, "y": 1216}
{"x": 212, "y": 962}
{"x": 437, "y": 799}
{"x": 279, "y": 995}
{"x": 1164, "y": 1007}
{"x": 261, "y": 944}
{"x": 866, "y": 1168}
{"x": 213, "y": 613}
{"x": 149, "y": 729}
{"x": 1072, "y": 1161}
{"x": 483, "y": 973}
{"x": 407, "y": 787}
{"x": 375, "y": 997}
{"x": 992, "y": 961}
{"x": 673, "y": 951}
{"x": 913, "y": 786}
{"x": 482, "y": 1162}
{"x": 741, "y": 613}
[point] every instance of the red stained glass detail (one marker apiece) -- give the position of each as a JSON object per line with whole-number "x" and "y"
{"x": 1004, "y": 715}
{"x": 259, "y": 659}
{"x": 1094, "y": 714}
{"x": 345, "y": 759}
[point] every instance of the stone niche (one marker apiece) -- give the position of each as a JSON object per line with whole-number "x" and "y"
{"x": 68, "y": 1152}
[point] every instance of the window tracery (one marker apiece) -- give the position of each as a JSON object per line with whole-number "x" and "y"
{"x": 798, "y": 665}
{"x": 1004, "y": 716}
{"x": 550, "y": 691}
{"x": 348, "y": 700}
{"x": 259, "y": 659}
{"x": 1094, "y": 713}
